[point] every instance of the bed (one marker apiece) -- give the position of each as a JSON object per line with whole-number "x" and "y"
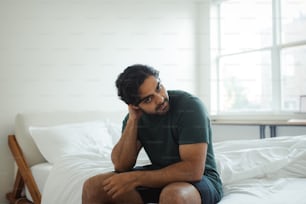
{"x": 56, "y": 152}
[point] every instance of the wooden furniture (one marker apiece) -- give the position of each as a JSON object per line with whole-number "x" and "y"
{"x": 262, "y": 124}
{"x": 23, "y": 177}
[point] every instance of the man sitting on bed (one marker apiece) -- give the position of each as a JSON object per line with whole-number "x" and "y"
{"x": 174, "y": 129}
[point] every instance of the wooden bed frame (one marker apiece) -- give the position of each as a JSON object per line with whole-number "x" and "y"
{"x": 23, "y": 177}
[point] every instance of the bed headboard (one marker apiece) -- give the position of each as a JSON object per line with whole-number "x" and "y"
{"x": 24, "y": 120}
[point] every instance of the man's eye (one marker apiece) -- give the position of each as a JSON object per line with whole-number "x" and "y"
{"x": 147, "y": 100}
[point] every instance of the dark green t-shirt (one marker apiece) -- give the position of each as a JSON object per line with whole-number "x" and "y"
{"x": 186, "y": 122}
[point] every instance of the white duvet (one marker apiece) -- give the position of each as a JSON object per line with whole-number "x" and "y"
{"x": 269, "y": 171}
{"x": 253, "y": 171}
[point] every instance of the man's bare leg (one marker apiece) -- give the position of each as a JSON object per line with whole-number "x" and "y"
{"x": 180, "y": 193}
{"x": 93, "y": 192}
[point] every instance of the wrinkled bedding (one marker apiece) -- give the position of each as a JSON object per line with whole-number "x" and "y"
{"x": 271, "y": 170}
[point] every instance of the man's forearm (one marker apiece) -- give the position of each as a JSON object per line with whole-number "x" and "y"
{"x": 125, "y": 152}
{"x": 184, "y": 171}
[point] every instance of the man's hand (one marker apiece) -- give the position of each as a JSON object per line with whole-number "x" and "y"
{"x": 134, "y": 112}
{"x": 119, "y": 184}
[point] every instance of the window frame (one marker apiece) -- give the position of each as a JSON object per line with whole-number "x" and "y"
{"x": 275, "y": 50}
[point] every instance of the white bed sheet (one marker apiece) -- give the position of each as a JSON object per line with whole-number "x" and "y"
{"x": 253, "y": 171}
{"x": 266, "y": 191}
{"x": 65, "y": 181}
{"x": 269, "y": 171}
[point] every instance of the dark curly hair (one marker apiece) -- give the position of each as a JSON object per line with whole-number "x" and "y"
{"x": 129, "y": 81}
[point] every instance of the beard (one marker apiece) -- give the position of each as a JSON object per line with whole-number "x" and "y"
{"x": 160, "y": 109}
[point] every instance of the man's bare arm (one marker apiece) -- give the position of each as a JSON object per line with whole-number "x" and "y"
{"x": 125, "y": 152}
{"x": 191, "y": 168}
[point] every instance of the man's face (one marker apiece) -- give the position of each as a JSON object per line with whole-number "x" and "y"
{"x": 153, "y": 97}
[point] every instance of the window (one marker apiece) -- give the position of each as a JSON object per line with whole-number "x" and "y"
{"x": 258, "y": 55}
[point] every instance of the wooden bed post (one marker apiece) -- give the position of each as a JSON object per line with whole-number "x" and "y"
{"x": 23, "y": 177}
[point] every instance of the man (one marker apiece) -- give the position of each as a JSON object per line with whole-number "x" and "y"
{"x": 174, "y": 129}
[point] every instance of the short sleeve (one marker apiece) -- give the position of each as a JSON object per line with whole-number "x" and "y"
{"x": 193, "y": 123}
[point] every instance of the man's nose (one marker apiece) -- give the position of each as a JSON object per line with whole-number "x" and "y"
{"x": 159, "y": 99}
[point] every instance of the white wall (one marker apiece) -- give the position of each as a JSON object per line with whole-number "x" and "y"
{"x": 66, "y": 55}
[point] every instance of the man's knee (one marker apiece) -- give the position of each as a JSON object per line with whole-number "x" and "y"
{"x": 179, "y": 193}
{"x": 88, "y": 189}
{"x": 93, "y": 191}
{"x": 171, "y": 194}
{"x": 87, "y": 185}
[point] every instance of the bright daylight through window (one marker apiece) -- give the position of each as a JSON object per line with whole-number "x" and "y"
{"x": 258, "y": 55}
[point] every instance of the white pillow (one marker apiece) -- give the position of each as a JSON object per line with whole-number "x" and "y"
{"x": 77, "y": 138}
{"x": 114, "y": 129}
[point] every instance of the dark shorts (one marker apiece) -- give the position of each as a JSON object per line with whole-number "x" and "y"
{"x": 208, "y": 192}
